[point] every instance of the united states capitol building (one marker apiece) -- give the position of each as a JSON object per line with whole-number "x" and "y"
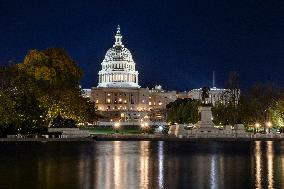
{"x": 118, "y": 95}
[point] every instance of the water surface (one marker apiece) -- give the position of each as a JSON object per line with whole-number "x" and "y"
{"x": 142, "y": 164}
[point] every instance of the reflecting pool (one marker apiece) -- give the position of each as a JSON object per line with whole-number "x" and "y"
{"x": 142, "y": 164}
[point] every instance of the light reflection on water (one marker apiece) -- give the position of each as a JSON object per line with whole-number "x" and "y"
{"x": 270, "y": 156}
{"x": 161, "y": 163}
{"x": 258, "y": 165}
{"x": 143, "y": 164}
{"x": 213, "y": 173}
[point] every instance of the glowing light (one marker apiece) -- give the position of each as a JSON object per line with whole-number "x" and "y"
{"x": 257, "y": 125}
{"x": 116, "y": 125}
{"x": 269, "y": 124}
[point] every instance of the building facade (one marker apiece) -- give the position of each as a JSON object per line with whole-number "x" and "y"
{"x": 118, "y": 95}
{"x": 216, "y": 95}
{"x": 158, "y": 100}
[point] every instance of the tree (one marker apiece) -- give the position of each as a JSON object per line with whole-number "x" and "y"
{"x": 35, "y": 92}
{"x": 57, "y": 76}
{"x": 277, "y": 112}
{"x": 183, "y": 111}
{"x": 233, "y": 90}
{"x": 260, "y": 98}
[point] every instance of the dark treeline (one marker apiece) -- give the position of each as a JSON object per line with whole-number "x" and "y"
{"x": 183, "y": 111}
{"x": 40, "y": 89}
{"x": 261, "y": 103}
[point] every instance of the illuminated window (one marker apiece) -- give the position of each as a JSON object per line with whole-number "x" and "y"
{"x": 108, "y": 101}
{"x": 160, "y": 103}
{"x": 150, "y": 103}
{"x": 97, "y": 101}
{"x": 108, "y": 94}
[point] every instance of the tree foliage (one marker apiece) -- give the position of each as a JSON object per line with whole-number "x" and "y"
{"x": 183, "y": 111}
{"x": 45, "y": 85}
{"x": 277, "y": 111}
{"x": 259, "y": 104}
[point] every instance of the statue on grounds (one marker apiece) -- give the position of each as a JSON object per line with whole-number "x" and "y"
{"x": 205, "y": 95}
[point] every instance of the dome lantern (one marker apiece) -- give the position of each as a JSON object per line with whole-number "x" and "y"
{"x": 118, "y": 37}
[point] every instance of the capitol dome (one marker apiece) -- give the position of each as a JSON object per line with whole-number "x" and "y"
{"x": 118, "y": 53}
{"x": 118, "y": 67}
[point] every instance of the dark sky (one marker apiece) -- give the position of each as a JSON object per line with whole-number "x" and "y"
{"x": 174, "y": 43}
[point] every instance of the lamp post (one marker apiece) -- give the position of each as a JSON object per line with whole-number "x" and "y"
{"x": 116, "y": 126}
{"x": 269, "y": 125}
{"x": 257, "y": 125}
{"x": 144, "y": 126}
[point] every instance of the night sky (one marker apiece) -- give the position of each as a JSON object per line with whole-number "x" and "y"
{"x": 174, "y": 43}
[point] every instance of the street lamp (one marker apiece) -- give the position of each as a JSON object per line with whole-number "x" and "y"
{"x": 269, "y": 125}
{"x": 144, "y": 126}
{"x": 116, "y": 126}
{"x": 257, "y": 125}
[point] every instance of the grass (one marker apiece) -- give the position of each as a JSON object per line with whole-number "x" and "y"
{"x": 103, "y": 130}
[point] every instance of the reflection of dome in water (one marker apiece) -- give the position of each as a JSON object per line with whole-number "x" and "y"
{"x": 118, "y": 67}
